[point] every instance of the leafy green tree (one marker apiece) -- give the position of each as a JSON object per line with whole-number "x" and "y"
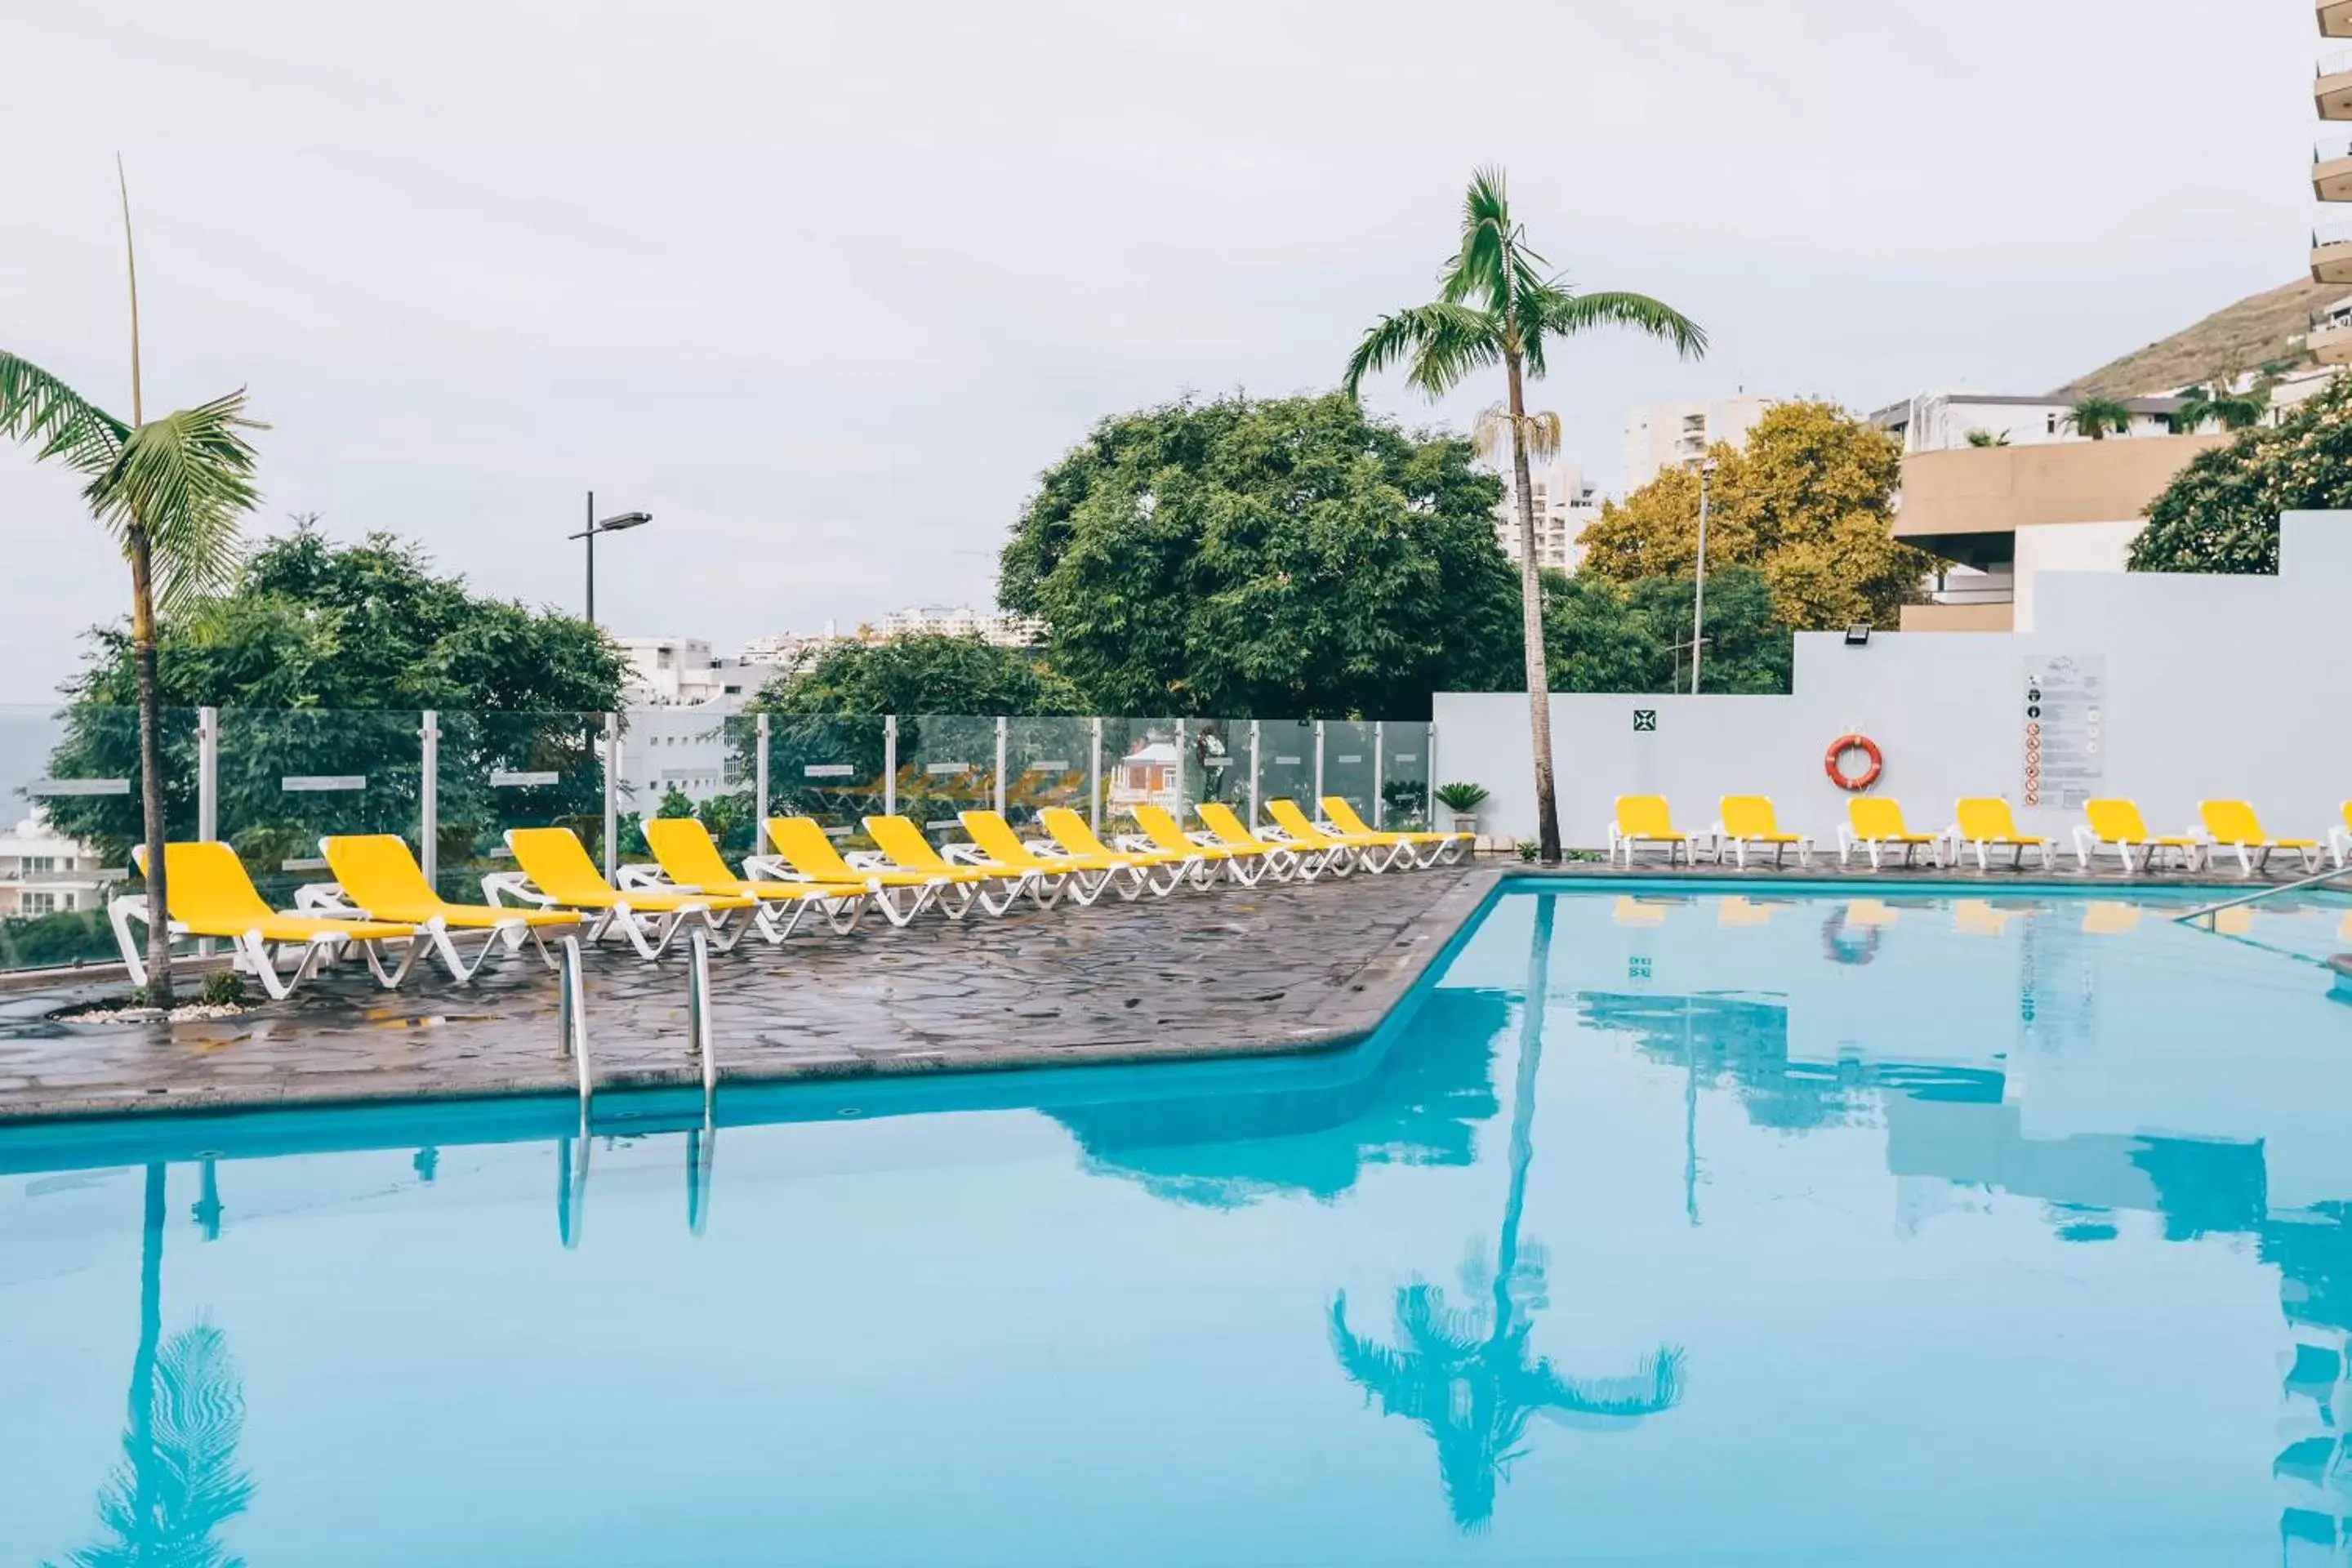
{"x": 2217, "y": 404}
{"x": 1809, "y": 501}
{"x": 171, "y": 492}
{"x": 1292, "y": 557}
{"x": 2099, "y": 417}
{"x": 2222, "y": 512}
{"x": 1611, "y": 637}
{"x": 1497, "y": 304}
{"x": 321, "y": 658}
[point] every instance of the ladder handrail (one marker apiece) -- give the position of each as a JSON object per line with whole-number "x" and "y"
{"x": 2259, "y": 894}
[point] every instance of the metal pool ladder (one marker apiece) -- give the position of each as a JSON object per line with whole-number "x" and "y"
{"x": 2210, "y": 912}
{"x": 571, "y": 1015}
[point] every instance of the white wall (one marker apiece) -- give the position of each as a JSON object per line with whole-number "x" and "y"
{"x": 2067, "y": 547}
{"x": 2216, "y": 686}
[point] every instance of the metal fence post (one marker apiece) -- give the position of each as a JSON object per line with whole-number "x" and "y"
{"x": 1380, "y": 771}
{"x": 208, "y": 774}
{"x": 890, "y": 764}
{"x": 759, "y": 788}
{"x": 428, "y": 800}
{"x": 1319, "y": 768}
{"x": 612, "y": 795}
{"x": 1094, "y": 779}
{"x": 1001, "y": 725}
{"x": 1253, "y": 817}
{"x": 1180, "y": 772}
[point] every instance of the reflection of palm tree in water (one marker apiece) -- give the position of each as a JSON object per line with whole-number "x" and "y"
{"x": 178, "y": 1480}
{"x": 1470, "y": 1373}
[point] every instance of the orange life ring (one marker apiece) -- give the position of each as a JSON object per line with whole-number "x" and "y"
{"x": 1835, "y": 759}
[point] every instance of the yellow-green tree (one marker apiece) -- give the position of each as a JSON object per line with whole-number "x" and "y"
{"x": 1808, "y": 502}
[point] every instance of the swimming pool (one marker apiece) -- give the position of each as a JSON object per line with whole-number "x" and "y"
{"x": 1665, "y": 1224}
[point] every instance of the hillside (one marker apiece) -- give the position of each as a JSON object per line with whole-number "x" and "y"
{"x": 2249, "y": 334}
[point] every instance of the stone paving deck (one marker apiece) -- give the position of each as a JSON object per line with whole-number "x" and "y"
{"x": 1230, "y": 973}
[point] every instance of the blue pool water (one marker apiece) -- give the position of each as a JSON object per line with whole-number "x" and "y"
{"x": 1763, "y": 1229}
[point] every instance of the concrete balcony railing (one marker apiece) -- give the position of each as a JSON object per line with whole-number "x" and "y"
{"x": 2330, "y": 343}
{"x": 2335, "y": 18}
{"x": 2331, "y": 168}
{"x": 2333, "y": 89}
{"x": 2331, "y": 253}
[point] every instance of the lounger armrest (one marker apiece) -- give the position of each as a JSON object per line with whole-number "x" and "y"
{"x": 867, "y": 860}
{"x": 649, "y": 878}
{"x": 771, "y": 869}
{"x": 1046, "y": 849}
{"x": 1136, "y": 844}
{"x": 964, "y": 855}
{"x": 326, "y": 899}
{"x": 502, "y": 886}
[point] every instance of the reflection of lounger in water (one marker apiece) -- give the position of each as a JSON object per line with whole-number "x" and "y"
{"x": 2109, "y": 918}
{"x": 1631, "y": 911}
{"x": 1975, "y": 917}
{"x": 1739, "y": 912}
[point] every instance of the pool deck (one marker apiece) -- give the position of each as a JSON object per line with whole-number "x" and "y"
{"x": 1233, "y": 972}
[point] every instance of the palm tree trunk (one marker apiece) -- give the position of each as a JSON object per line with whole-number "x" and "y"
{"x": 151, "y": 768}
{"x": 151, "y": 1334}
{"x": 1532, "y": 628}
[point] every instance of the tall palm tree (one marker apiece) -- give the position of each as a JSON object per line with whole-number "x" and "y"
{"x": 1470, "y": 1374}
{"x": 171, "y": 491}
{"x": 2099, "y": 417}
{"x": 2216, "y": 403}
{"x": 1497, "y": 304}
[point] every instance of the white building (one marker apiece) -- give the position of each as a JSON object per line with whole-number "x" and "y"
{"x": 790, "y": 650}
{"x": 1565, "y": 506}
{"x": 42, "y": 872}
{"x": 679, "y": 672}
{"x": 1001, "y": 627}
{"x": 688, "y": 750}
{"x": 1946, "y": 421}
{"x": 1661, "y": 436}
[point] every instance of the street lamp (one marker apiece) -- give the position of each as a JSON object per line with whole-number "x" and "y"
{"x": 1698, "y": 587}
{"x": 613, "y": 524}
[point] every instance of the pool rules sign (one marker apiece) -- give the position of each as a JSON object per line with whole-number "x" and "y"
{"x": 2066, "y": 730}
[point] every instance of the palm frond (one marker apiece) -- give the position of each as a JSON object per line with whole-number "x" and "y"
{"x": 186, "y": 479}
{"x": 173, "y": 1490}
{"x": 1492, "y": 434}
{"x": 1481, "y": 270}
{"x": 1444, "y": 342}
{"x": 1569, "y": 315}
{"x": 38, "y": 408}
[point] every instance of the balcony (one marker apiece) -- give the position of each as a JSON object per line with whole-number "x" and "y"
{"x": 2330, "y": 343}
{"x": 2333, "y": 89}
{"x": 2331, "y": 168}
{"x": 2335, "y": 18}
{"x": 2331, "y": 253}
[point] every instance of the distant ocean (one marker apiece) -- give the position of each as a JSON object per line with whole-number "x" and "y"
{"x": 26, "y": 737}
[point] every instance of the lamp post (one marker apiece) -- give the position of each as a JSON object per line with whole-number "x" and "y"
{"x": 613, "y": 524}
{"x": 1698, "y": 587}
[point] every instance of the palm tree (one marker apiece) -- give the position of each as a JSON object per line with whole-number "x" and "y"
{"x": 1496, "y": 304}
{"x": 2099, "y": 417}
{"x": 2216, "y": 403}
{"x": 171, "y": 492}
{"x": 1470, "y": 1374}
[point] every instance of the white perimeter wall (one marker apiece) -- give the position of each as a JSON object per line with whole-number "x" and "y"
{"x": 2227, "y": 686}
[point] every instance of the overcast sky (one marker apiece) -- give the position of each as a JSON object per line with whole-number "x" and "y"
{"x": 825, "y": 287}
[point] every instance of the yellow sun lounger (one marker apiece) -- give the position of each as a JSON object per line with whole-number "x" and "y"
{"x": 1874, "y": 824}
{"x": 686, "y": 861}
{"x": 906, "y": 849}
{"x": 2117, "y": 825}
{"x": 1749, "y": 820}
{"x": 1341, "y": 853}
{"x": 1428, "y": 848}
{"x": 1245, "y": 864}
{"x": 1084, "y": 877}
{"x": 555, "y": 873}
{"x": 377, "y": 878}
{"x": 1985, "y": 823}
{"x": 209, "y": 894}
{"x": 804, "y": 853}
{"x": 1154, "y": 870}
{"x": 1284, "y": 861}
{"x": 2232, "y": 824}
{"x": 1646, "y": 819}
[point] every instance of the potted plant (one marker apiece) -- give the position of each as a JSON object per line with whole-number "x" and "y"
{"x": 1463, "y": 800}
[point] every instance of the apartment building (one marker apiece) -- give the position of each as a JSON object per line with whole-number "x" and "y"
{"x": 1566, "y": 504}
{"x": 1946, "y": 421}
{"x": 680, "y": 672}
{"x": 1661, "y": 436}
{"x": 1001, "y": 627}
{"x": 42, "y": 872}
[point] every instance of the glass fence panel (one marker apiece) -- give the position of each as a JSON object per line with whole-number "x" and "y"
{"x": 1404, "y": 777}
{"x": 290, "y": 777}
{"x": 1285, "y": 761}
{"x": 1351, "y": 765}
{"x": 829, "y": 768}
{"x": 1139, "y": 768}
{"x": 1217, "y": 762}
{"x": 947, "y": 766}
{"x": 499, "y": 771}
{"x": 70, "y": 813}
{"x": 1048, "y": 763}
{"x": 683, "y": 761}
